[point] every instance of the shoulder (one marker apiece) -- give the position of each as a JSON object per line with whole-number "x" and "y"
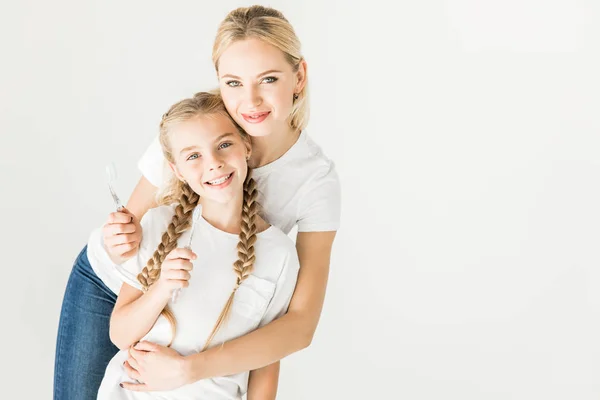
{"x": 158, "y": 217}
{"x": 277, "y": 245}
{"x": 312, "y": 163}
{"x": 320, "y": 171}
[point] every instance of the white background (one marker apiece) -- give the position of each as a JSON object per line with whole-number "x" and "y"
{"x": 466, "y": 135}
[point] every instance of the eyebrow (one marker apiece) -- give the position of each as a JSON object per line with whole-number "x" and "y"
{"x": 271, "y": 71}
{"x": 216, "y": 140}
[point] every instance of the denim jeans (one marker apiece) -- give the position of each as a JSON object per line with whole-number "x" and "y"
{"x": 83, "y": 346}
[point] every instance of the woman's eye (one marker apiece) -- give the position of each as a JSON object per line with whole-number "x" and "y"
{"x": 224, "y": 145}
{"x": 193, "y": 156}
{"x": 270, "y": 79}
{"x": 233, "y": 83}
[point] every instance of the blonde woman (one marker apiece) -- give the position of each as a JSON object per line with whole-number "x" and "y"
{"x": 263, "y": 81}
{"x": 241, "y": 274}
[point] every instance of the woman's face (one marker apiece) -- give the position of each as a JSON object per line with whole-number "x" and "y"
{"x": 210, "y": 155}
{"x": 258, "y": 86}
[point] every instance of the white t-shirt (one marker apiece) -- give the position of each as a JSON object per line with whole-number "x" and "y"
{"x": 299, "y": 188}
{"x": 263, "y": 297}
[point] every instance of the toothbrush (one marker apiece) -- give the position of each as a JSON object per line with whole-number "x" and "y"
{"x": 195, "y": 217}
{"x": 111, "y": 177}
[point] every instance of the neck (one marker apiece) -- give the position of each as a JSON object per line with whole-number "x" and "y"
{"x": 266, "y": 149}
{"x": 225, "y": 217}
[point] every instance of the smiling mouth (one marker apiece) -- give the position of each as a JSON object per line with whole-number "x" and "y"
{"x": 219, "y": 181}
{"x": 256, "y": 118}
{"x": 256, "y": 115}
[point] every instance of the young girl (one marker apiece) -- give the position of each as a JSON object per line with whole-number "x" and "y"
{"x": 240, "y": 275}
{"x": 263, "y": 82}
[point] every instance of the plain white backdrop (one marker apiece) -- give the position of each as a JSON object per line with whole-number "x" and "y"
{"x": 467, "y": 138}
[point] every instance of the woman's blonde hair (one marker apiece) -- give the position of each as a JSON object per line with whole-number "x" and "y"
{"x": 202, "y": 104}
{"x": 270, "y": 26}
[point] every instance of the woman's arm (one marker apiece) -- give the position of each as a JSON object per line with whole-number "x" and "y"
{"x": 161, "y": 368}
{"x": 262, "y": 383}
{"x": 292, "y": 332}
{"x": 134, "y": 315}
{"x": 142, "y": 198}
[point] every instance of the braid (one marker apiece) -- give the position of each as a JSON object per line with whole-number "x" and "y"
{"x": 243, "y": 266}
{"x": 179, "y": 224}
{"x": 245, "y": 262}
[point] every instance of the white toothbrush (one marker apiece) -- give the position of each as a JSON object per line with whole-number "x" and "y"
{"x": 111, "y": 177}
{"x": 195, "y": 217}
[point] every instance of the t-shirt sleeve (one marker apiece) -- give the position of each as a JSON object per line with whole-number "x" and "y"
{"x": 286, "y": 283}
{"x": 152, "y": 164}
{"x": 154, "y": 223}
{"x": 320, "y": 206}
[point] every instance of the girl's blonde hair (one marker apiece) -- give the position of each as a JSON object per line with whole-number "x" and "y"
{"x": 202, "y": 104}
{"x": 270, "y": 26}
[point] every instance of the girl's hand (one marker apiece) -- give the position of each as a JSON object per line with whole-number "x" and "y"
{"x": 175, "y": 271}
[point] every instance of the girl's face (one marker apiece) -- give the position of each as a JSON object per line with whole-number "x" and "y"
{"x": 257, "y": 85}
{"x": 210, "y": 155}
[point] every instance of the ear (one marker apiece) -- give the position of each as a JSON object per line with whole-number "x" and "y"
{"x": 176, "y": 172}
{"x": 301, "y": 77}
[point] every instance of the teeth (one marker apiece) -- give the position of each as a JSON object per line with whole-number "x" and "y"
{"x": 219, "y": 181}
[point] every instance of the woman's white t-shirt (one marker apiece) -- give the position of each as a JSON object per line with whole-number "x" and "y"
{"x": 299, "y": 188}
{"x": 263, "y": 297}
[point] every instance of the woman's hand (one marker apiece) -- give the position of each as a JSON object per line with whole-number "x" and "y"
{"x": 121, "y": 235}
{"x": 155, "y": 367}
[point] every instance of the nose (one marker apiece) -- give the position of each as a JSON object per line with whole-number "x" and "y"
{"x": 253, "y": 97}
{"x": 215, "y": 162}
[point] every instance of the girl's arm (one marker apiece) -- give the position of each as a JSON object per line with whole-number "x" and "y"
{"x": 136, "y": 312}
{"x": 292, "y": 332}
{"x": 134, "y": 315}
{"x": 262, "y": 383}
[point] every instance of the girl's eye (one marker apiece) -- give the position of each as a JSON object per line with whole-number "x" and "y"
{"x": 224, "y": 145}
{"x": 233, "y": 83}
{"x": 193, "y": 156}
{"x": 270, "y": 79}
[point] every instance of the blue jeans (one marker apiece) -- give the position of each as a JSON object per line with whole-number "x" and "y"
{"x": 83, "y": 346}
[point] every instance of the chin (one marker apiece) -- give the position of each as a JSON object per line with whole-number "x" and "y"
{"x": 256, "y": 132}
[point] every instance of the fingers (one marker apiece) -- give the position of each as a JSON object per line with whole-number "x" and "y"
{"x": 133, "y": 364}
{"x": 178, "y": 264}
{"x": 131, "y": 372}
{"x": 181, "y": 252}
{"x": 146, "y": 346}
{"x": 120, "y": 217}
{"x": 124, "y": 238}
{"x": 135, "y": 387}
{"x": 111, "y": 229}
{"x": 137, "y": 355}
{"x": 172, "y": 284}
{"x": 130, "y": 253}
{"x": 132, "y": 368}
{"x": 176, "y": 274}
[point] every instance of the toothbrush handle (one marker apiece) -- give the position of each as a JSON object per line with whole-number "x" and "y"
{"x": 116, "y": 199}
{"x": 175, "y": 295}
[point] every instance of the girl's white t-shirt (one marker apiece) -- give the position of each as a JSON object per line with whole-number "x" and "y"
{"x": 263, "y": 297}
{"x": 299, "y": 188}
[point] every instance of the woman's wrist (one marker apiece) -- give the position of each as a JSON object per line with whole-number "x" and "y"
{"x": 193, "y": 367}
